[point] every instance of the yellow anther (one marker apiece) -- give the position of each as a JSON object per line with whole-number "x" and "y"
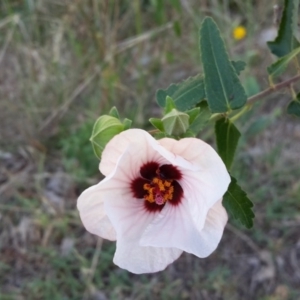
{"x": 158, "y": 188}
{"x": 167, "y": 183}
{"x": 155, "y": 180}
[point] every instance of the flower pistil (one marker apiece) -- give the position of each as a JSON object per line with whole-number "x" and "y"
{"x": 158, "y": 191}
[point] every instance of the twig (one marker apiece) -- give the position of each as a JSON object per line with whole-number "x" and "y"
{"x": 251, "y": 100}
{"x": 272, "y": 89}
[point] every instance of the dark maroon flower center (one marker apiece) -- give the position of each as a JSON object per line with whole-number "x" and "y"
{"x": 157, "y": 185}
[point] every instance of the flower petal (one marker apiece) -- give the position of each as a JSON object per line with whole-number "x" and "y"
{"x": 138, "y": 260}
{"x": 204, "y": 187}
{"x": 117, "y": 146}
{"x": 174, "y": 228}
{"x": 91, "y": 209}
{"x": 147, "y": 145}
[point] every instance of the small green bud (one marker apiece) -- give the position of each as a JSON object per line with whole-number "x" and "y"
{"x": 105, "y": 128}
{"x": 175, "y": 122}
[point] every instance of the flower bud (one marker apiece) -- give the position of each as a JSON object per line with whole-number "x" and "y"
{"x": 105, "y": 128}
{"x": 175, "y": 122}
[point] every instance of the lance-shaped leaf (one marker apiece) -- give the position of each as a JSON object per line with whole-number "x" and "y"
{"x": 285, "y": 41}
{"x": 280, "y": 65}
{"x": 190, "y": 92}
{"x": 222, "y": 86}
{"x": 238, "y": 65}
{"x": 227, "y": 137}
{"x": 238, "y": 204}
{"x": 294, "y": 107}
{"x": 185, "y": 94}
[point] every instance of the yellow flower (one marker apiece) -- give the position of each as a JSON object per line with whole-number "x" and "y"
{"x": 239, "y": 32}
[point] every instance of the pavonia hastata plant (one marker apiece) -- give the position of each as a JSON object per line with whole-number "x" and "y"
{"x": 166, "y": 191}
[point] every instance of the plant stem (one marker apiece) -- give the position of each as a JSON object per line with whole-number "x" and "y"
{"x": 251, "y": 100}
{"x": 272, "y": 89}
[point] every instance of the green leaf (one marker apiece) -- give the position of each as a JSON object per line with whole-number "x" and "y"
{"x": 238, "y": 65}
{"x": 227, "y": 137}
{"x": 160, "y": 135}
{"x": 185, "y": 94}
{"x": 280, "y": 65}
{"x": 238, "y": 204}
{"x": 157, "y": 123}
{"x": 193, "y": 113}
{"x": 222, "y": 86}
{"x": 190, "y": 92}
{"x": 294, "y": 107}
{"x": 202, "y": 119}
{"x": 285, "y": 41}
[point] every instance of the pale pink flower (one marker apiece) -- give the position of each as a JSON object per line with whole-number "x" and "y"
{"x": 158, "y": 199}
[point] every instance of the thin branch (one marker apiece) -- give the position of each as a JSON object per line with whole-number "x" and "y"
{"x": 259, "y": 96}
{"x": 272, "y": 89}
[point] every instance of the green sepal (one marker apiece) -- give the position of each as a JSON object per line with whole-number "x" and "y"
{"x": 188, "y": 133}
{"x": 127, "y": 123}
{"x": 157, "y": 123}
{"x": 202, "y": 119}
{"x": 169, "y": 104}
{"x": 114, "y": 112}
{"x": 193, "y": 113}
{"x": 238, "y": 204}
{"x": 160, "y": 135}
